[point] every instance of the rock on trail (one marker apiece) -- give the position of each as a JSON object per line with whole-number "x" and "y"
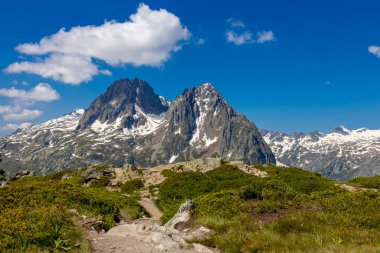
{"x": 145, "y": 235}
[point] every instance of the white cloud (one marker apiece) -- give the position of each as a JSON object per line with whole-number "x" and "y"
{"x": 239, "y": 39}
{"x": 235, "y": 23}
{"x": 200, "y": 42}
{"x": 71, "y": 69}
{"x": 41, "y": 92}
{"x": 16, "y": 82}
{"x": 240, "y": 36}
{"x": 6, "y": 109}
{"x": 375, "y": 50}
{"x": 147, "y": 39}
{"x": 24, "y": 114}
{"x": 12, "y": 127}
{"x": 265, "y": 36}
{"x": 17, "y": 113}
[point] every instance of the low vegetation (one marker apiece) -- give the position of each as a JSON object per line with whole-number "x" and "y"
{"x": 289, "y": 211}
{"x": 367, "y": 182}
{"x": 39, "y": 214}
{"x": 132, "y": 187}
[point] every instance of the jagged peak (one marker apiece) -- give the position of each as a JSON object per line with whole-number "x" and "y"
{"x": 78, "y": 111}
{"x": 204, "y": 91}
{"x": 361, "y": 130}
{"x": 119, "y": 101}
{"x": 206, "y": 87}
{"x": 341, "y": 130}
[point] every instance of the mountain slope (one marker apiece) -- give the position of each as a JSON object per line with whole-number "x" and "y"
{"x": 129, "y": 123}
{"x": 340, "y": 154}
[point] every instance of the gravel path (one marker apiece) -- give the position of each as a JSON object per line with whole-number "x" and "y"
{"x": 144, "y": 235}
{"x": 149, "y": 205}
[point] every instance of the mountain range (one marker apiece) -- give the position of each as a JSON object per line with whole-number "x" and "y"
{"x": 339, "y": 154}
{"x": 130, "y": 124}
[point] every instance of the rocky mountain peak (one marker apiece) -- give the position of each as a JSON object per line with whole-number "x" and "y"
{"x": 201, "y": 122}
{"x": 341, "y": 130}
{"x": 121, "y": 102}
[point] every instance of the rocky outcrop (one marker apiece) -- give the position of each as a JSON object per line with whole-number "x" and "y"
{"x": 182, "y": 216}
{"x": 91, "y": 174}
{"x": 24, "y": 173}
{"x": 3, "y": 179}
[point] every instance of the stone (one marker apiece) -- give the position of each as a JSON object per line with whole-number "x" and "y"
{"x": 91, "y": 174}
{"x": 24, "y": 173}
{"x": 202, "y": 249}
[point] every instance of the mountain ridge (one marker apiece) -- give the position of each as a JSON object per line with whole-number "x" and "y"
{"x": 340, "y": 153}
{"x": 130, "y": 123}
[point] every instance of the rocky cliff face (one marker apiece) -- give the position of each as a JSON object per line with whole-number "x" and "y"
{"x": 201, "y": 123}
{"x": 129, "y": 123}
{"x": 340, "y": 154}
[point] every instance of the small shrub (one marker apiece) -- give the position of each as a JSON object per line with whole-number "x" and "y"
{"x": 167, "y": 173}
{"x": 103, "y": 181}
{"x": 131, "y": 186}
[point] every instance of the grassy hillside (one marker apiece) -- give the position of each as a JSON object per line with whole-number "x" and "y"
{"x": 367, "y": 182}
{"x": 290, "y": 211}
{"x": 37, "y": 213}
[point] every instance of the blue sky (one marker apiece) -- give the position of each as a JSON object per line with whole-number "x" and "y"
{"x": 313, "y": 71}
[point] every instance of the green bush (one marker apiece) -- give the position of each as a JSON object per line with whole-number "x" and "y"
{"x": 131, "y": 186}
{"x": 103, "y": 181}
{"x": 167, "y": 173}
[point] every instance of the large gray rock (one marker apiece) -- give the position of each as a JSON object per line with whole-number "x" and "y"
{"x": 182, "y": 216}
{"x": 24, "y": 173}
{"x": 91, "y": 174}
{"x": 3, "y": 179}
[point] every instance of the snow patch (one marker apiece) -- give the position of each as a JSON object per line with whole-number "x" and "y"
{"x": 153, "y": 122}
{"x": 99, "y": 126}
{"x": 172, "y": 159}
{"x": 209, "y": 142}
{"x": 178, "y": 131}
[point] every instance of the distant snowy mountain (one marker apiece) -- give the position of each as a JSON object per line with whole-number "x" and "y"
{"x": 340, "y": 154}
{"x": 129, "y": 123}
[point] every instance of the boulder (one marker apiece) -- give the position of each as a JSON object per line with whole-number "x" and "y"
{"x": 66, "y": 177}
{"x": 182, "y": 216}
{"x": 91, "y": 174}
{"x": 109, "y": 172}
{"x": 3, "y": 184}
{"x": 25, "y": 173}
